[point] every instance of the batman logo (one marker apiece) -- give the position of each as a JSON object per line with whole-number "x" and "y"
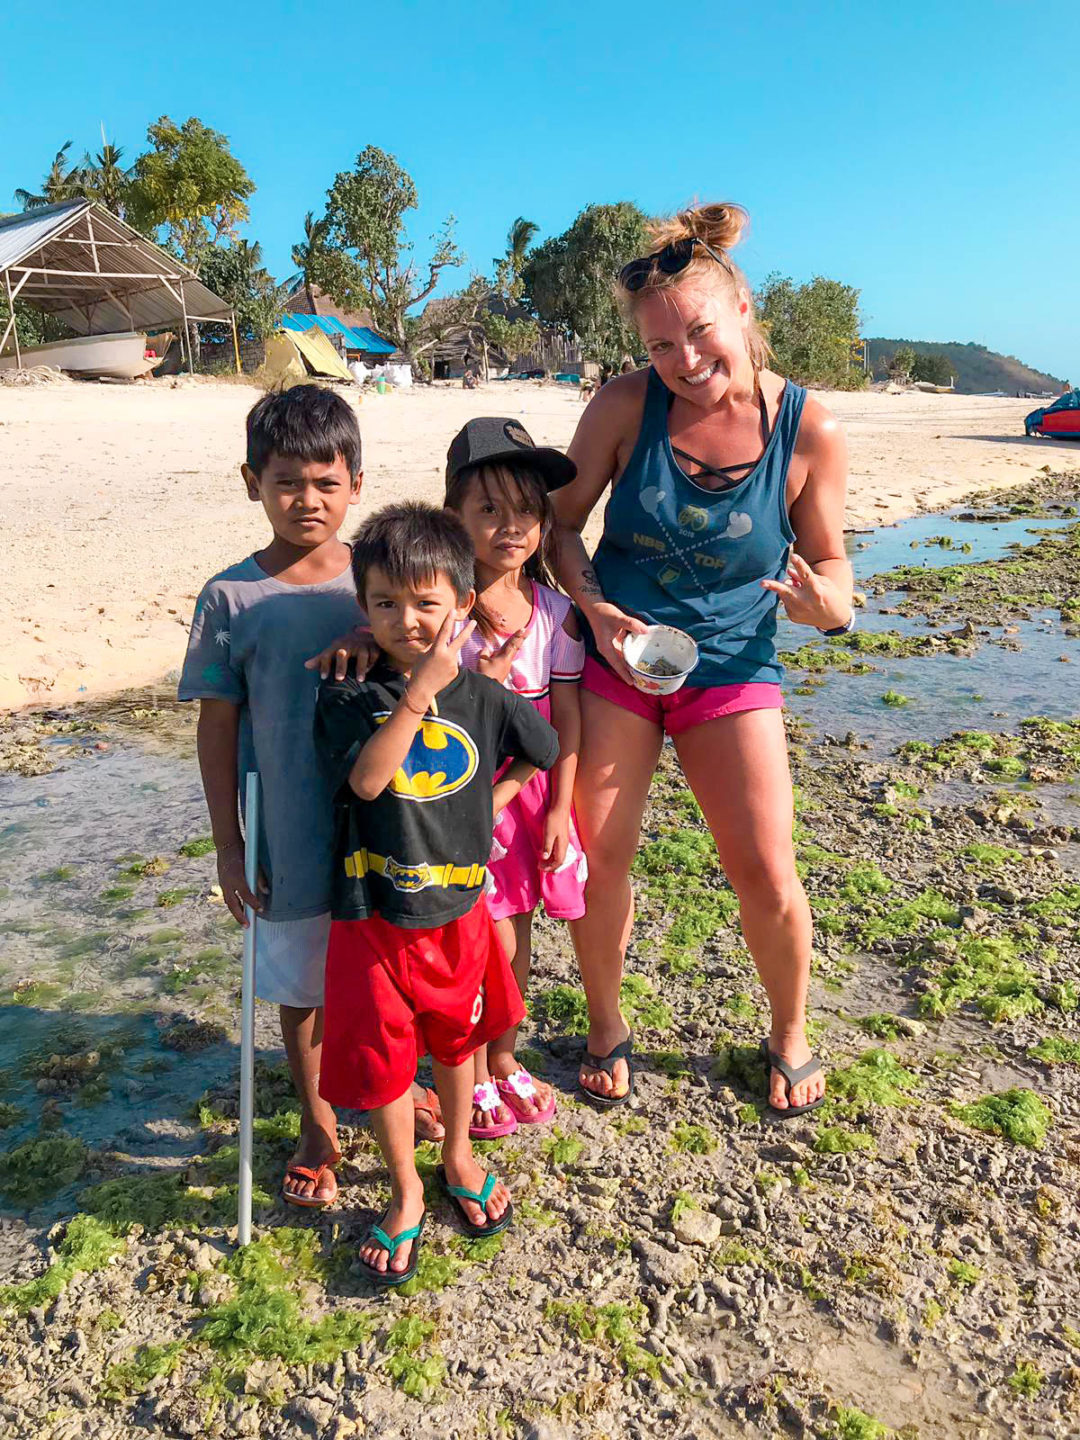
{"x": 441, "y": 760}
{"x": 407, "y": 878}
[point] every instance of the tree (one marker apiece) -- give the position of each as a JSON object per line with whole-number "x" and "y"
{"x": 935, "y": 368}
{"x": 191, "y": 185}
{"x": 366, "y": 259}
{"x": 236, "y": 273}
{"x": 104, "y": 179}
{"x": 61, "y": 182}
{"x": 812, "y": 329}
{"x": 569, "y": 280}
{"x": 902, "y": 365}
{"x": 520, "y": 236}
{"x": 309, "y": 257}
{"x": 486, "y": 314}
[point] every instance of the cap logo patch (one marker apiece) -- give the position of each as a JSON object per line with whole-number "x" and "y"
{"x": 517, "y": 434}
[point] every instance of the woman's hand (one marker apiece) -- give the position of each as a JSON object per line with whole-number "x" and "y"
{"x": 556, "y": 839}
{"x": 357, "y": 646}
{"x": 809, "y": 598}
{"x": 610, "y": 627}
{"x": 233, "y": 882}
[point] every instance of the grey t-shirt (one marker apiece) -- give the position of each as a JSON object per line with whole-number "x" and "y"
{"x": 249, "y": 639}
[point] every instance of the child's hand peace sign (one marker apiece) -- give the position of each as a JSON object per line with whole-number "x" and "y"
{"x": 809, "y": 598}
{"x": 496, "y": 663}
{"x": 439, "y": 666}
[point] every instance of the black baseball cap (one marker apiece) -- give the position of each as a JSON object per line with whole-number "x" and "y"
{"x": 490, "y": 439}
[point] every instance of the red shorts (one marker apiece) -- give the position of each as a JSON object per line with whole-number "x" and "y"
{"x": 692, "y": 705}
{"x": 393, "y": 995}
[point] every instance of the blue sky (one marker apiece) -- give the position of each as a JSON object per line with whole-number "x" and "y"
{"x": 926, "y": 155}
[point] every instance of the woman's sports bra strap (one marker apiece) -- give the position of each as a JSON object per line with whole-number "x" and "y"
{"x": 727, "y": 474}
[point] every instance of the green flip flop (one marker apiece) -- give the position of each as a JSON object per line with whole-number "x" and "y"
{"x": 392, "y": 1244}
{"x": 457, "y": 1193}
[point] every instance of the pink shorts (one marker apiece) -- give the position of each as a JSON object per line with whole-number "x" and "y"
{"x": 690, "y": 706}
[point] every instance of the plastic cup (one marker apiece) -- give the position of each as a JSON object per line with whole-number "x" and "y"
{"x": 662, "y": 648}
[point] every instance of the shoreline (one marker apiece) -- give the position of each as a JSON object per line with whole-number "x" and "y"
{"x": 127, "y": 499}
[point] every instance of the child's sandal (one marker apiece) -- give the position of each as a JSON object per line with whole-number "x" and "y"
{"x": 485, "y": 1097}
{"x": 521, "y": 1086}
{"x": 392, "y": 1244}
{"x": 315, "y": 1175}
{"x": 456, "y": 1193}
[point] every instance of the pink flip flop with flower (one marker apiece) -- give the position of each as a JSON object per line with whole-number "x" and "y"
{"x": 519, "y": 1087}
{"x": 486, "y": 1098}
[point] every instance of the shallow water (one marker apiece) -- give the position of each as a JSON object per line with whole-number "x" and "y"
{"x": 907, "y": 543}
{"x": 1008, "y": 678}
{"x": 990, "y": 690}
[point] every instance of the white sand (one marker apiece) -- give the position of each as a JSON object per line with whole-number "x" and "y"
{"x": 118, "y": 502}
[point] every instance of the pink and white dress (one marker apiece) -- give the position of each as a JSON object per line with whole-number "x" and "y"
{"x": 547, "y": 657}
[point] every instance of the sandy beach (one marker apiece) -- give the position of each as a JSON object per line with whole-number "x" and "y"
{"x": 118, "y": 502}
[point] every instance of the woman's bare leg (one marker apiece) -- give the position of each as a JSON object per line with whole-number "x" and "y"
{"x": 747, "y": 803}
{"x": 619, "y": 751}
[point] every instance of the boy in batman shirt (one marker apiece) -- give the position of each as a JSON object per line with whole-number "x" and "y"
{"x": 414, "y": 963}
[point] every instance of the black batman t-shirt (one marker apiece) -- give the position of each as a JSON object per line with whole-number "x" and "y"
{"x": 417, "y": 853}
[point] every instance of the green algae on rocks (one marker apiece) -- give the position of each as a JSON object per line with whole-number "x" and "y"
{"x": 1017, "y": 1115}
{"x": 875, "y": 1078}
{"x": 87, "y": 1245}
{"x": 38, "y": 1169}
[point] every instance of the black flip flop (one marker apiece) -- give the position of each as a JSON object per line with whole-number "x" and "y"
{"x": 606, "y": 1063}
{"x": 792, "y": 1077}
{"x": 457, "y": 1193}
{"x": 390, "y": 1279}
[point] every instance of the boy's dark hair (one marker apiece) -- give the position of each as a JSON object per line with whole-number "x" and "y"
{"x": 305, "y": 423}
{"x": 411, "y": 544}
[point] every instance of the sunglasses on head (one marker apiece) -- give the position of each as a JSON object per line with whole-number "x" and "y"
{"x": 669, "y": 261}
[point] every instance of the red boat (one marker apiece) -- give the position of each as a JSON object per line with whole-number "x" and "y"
{"x": 1060, "y": 420}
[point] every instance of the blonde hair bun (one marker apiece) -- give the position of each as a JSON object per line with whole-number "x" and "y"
{"x": 722, "y": 226}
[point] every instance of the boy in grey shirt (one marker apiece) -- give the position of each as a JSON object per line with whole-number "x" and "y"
{"x": 255, "y": 626}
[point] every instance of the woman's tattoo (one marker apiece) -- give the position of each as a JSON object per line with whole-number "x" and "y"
{"x": 589, "y": 585}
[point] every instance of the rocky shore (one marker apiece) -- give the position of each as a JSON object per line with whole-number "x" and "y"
{"x": 905, "y": 1262}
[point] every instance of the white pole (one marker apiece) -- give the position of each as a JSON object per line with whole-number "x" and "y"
{"x": 247, "y": 1010}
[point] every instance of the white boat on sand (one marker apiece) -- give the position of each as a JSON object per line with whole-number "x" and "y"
{"x": 115, "y": 357}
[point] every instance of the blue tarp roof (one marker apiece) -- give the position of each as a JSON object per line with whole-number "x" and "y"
{"x": 357, "y": 337}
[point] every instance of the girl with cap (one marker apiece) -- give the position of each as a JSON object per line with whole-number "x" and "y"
{"x": 526, "y": 636}
{"x": 718, "y": 467}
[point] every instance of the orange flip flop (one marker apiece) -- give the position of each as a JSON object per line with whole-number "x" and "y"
{"x": 305, "y": 1172}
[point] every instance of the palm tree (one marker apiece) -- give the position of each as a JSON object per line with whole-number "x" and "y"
{"x": 306, "y": 256}
{"x": 62, "y": 182}
{"x": 521, "y": 235}
{"x": 103, "y": 178}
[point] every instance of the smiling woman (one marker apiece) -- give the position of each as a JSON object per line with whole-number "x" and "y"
{"x": 718, "y": 467}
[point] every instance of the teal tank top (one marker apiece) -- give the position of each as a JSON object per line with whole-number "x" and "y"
{"x": 675, "y": 553}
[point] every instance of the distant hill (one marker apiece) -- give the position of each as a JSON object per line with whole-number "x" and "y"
{"x": 977, "y": 369}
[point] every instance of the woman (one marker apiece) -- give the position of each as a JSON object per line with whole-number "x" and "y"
{"x": 716, "y": 465}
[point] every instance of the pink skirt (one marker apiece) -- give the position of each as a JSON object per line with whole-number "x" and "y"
{"x": 516, "y": 883}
